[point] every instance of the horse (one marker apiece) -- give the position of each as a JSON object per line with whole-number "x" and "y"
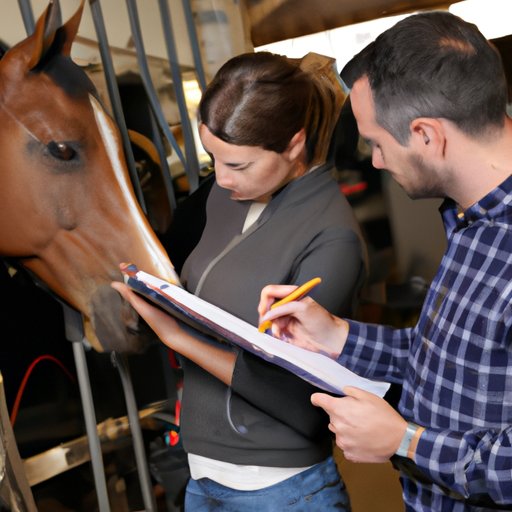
{"x": 69, "y": 213}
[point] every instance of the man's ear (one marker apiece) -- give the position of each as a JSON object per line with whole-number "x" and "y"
{"x": 428, "y": 135}
{"x": 296, "y": 145}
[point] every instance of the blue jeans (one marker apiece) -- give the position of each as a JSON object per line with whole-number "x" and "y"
{"x": 319, "y": 488}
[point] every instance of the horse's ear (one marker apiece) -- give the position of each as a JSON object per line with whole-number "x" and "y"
{"x": 49, "y": 38}
{"x": 68, "y": 31}
{"x": 44, "y": 33}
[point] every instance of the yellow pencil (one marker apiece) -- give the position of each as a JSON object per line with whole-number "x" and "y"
{"x": 297, "y": 294}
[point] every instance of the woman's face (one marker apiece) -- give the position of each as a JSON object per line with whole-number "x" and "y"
{"x": 249, "y": 172}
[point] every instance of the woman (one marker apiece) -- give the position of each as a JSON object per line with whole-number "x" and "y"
{"x": 274, "y": 214}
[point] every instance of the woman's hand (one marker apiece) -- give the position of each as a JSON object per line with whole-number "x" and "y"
{"x": 164, "y": 325}
{"x": 303, "y": 323}
{"x": 217, "y": 360}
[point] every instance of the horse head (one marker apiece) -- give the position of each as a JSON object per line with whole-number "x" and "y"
{"x": 69, "y": 213}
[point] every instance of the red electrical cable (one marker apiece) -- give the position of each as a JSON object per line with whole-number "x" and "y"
{"x": 24, "y": 381}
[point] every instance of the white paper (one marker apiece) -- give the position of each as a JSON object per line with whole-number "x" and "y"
{"x": 317, "y": 368}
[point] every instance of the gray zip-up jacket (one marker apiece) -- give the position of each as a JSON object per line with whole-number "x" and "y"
{"x": 308, "y": 229}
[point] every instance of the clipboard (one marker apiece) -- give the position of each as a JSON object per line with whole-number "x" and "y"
{"x": 317, "y": 369}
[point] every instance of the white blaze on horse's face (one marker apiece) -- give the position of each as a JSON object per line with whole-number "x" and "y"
{"x": 111, "y": 143}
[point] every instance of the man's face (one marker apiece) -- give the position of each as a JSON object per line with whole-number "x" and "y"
{"x": 416, "y": 176}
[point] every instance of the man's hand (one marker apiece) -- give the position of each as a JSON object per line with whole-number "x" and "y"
{"x": 367, "y": 428}
{"x": 303, "y": 323}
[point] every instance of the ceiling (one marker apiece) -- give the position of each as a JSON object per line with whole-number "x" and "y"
{"x": 276, "y": 20}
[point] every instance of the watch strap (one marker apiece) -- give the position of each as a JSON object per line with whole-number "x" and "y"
{"x": 405, "y": 443}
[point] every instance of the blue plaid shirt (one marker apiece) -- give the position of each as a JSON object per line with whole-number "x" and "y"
{"x": 455, "y": 365}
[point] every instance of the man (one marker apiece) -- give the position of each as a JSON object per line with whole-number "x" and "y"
{"x": 429, "y": 95}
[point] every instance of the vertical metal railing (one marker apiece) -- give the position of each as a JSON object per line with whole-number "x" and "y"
{"x": 192, "y": 173}
{"x": 27, "y": 14}
{"x": 114, "y": 96}
{"x": 194, "y": 44}
{"x": 174, "y": 65}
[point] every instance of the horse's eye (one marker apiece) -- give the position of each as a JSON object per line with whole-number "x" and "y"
{"x": 61, "y": 150}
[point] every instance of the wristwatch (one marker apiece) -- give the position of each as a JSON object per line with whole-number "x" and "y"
{"x": 410, "y": 432}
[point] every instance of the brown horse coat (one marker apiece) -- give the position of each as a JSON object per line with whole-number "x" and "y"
{"x": 69, "y": 213}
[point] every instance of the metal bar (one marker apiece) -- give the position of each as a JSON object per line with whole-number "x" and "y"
{"x": 14, "y": 484}
{"x": 190, "y": 146}
{"x": 146, "y": 79}
{"x": 121, "y": 363}
{"x": 27, "y": 15}
{"x": 166, "y": 173}
{"x": 194, "y": 43}
{"x": 70, "y": 454}
{"x": 74, "y": 333}
{"x": 115, "y": 99}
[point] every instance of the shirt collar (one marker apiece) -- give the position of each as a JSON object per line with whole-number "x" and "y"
{"x": 492, "y": 205}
